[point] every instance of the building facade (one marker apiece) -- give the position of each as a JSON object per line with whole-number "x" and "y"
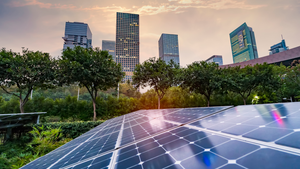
{"x": 215, "y": 58}
{"x": 285, "y": 58}
{"x": 109, "y": 46}
{"x": 279, "y": 47}
{"x": 168, "y": 48}
{"x": 128, "y": 42}
{"x": 243, "y": 44}
{"x": 77, "y": 34}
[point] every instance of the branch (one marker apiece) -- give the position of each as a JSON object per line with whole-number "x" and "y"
{"x": 91, "y": 92}
{"x": 9, "y": 92}
{"x": 26, "y": 97}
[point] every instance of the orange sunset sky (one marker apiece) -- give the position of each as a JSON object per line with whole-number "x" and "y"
{"x": 203, "y": 26}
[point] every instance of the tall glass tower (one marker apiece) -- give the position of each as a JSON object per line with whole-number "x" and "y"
{"x": 168, "y": 48}
{"x": 243, "y": 45}
{"x": 77, "y": 33}
{"x": 109, "y": 46}
{"x": 128, "y": 42}
{"x": 215, "y": 58}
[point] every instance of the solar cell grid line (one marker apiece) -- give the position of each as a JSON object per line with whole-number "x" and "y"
{"x": 158, "y": 113}
{"x": 141, "y": 136}
{"x": 112, "y": 161}
{"x": 90, "y": 149}
{"x": 97, "y": 157}
{"x": 148, "y": 129}
{"x": 121, "y": 145}
{"x": 120, "y": 133}
{"x": 271, "y": 123}
{"x": 198, "y": 149}
{"x": 250, "y": 140}
{"x": 51, "y": 161}
{"x": 108, "y": 130}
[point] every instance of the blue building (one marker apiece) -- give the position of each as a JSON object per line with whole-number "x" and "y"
{"x": 77, "y": 33}
{"x": 109, "y": 46}
{"x": 168, "y": 48}
{"x": 128, "y": 42}
{"x": 215, "y": 58}
{"x": 243, "y": 44}
{"x": 279, "y": 47}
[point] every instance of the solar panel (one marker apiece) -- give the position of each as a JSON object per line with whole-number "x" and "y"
{"x": 253, "y": 136}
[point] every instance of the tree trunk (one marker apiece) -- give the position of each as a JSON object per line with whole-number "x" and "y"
{"x": 158, "y": 107}
{"x": 207, "y": 103}
{"x": 94, "y": 105}
{"x": 244, "y": 101}
{"x": 21, "y": 106}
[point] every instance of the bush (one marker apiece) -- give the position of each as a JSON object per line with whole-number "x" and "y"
{"x": 70, "y": 129}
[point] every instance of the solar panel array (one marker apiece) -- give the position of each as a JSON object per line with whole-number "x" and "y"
{"x": 252, "y": 136}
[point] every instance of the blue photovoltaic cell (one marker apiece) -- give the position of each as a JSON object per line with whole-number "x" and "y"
{"x": 135, "y": 126}
{"x": 187, "y": 138}
{"x": 190, "y": 148}
{"x": 269, "y": 122}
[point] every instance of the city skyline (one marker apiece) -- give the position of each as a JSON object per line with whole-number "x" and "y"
{"x": 202, "y": 26}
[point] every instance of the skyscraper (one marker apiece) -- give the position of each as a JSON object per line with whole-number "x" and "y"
{"x": 279, "y": 47}
{"x": 168, "y": 48}
{"x": 243, "y": 45}
{"x": 77, "y": 33}
{"x": 128, "y": 42}
{"x": 109, "y": 46}
{"x": 215, "y": 58}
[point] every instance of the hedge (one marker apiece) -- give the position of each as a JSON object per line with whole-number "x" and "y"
{"x": 71, "y": 129}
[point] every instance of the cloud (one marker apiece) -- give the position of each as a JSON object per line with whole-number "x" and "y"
{"x": 177, "y": 6}
{"x": 40, "y": 4}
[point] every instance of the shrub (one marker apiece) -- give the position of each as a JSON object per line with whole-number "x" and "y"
{"x": 70, "y": 129}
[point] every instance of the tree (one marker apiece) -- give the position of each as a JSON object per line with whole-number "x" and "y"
{"x": 128, "y": 90}
{"x": 244, "y": 81}
{"x": 91, "y": 68}
{"x": 26, "y": 71}
{"x": 203, "y": 78}
{"x": 291, "y": 81}
{"x": 157, "y": 74}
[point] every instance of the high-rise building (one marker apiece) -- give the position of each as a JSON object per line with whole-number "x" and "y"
{"x": 215, "y": 58}
{"x": 279, "y": 47}
{"x": 77, "y": 33}
{"x": 128, "y": 42}
{"x": 168, "y": 48}
{"x": 243, "y": 45}
{"x": 109, "y": 46}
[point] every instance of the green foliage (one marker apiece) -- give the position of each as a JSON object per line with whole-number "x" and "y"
{"x": 41, "y": 140}
{"x": 203, "y": 78}
{"x": 126, "y": 89}
{"x": 27, "y": 71}
{"x": 11, "y": 106}
{"x": 66, "y": 129}
{"x": 290, "y": 82}
{"x": 244, "y": 81}
{"x": 44, "y": 139}
{"x": 157, "y": 74}
{"x": 90, "y": 68}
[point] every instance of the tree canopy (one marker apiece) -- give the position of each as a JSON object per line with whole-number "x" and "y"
{"x": 157, "y": 74}
{"x": 244, "y": 81}
{"x": 26, "y": 71}
{"x": 90, "y": 68}
{"x": 203, "y": 78}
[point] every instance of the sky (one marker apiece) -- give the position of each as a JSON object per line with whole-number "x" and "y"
{"x": 203, "y": 26}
